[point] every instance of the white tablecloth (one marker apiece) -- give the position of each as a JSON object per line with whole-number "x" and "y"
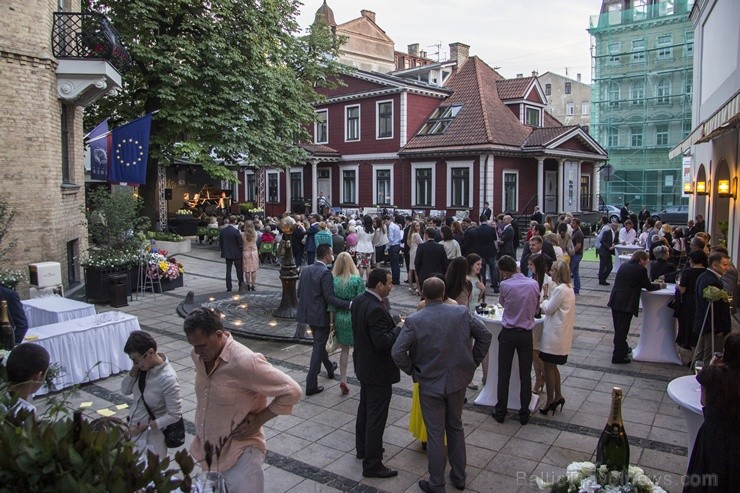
{"x": 658, "y": 334}
{"x": 624, "y": 254}
{"x": 686, "y": 392}
{"x": 53, "y": 309}
{"x": 88, "y": 348}
{"x": 487, "y": 396}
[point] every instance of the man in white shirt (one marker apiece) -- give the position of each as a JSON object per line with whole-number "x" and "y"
{"x": 394, "y": 246}
{"x": 627, "y": 234}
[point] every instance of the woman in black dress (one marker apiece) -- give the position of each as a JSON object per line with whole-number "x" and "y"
{"x": 713, "y": 466}
{"x": 685, "y": 302}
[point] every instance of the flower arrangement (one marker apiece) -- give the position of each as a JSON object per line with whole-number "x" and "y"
{"x": 159, "y": 266}
{"x": 11, "y": 277}
{"x": 163, "y": 236}
{"x": 107, "y": 259}
{"x": 585, "y": 477}
{"x": 713, "y": 293}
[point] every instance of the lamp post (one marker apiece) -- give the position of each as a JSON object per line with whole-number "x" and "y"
{"x": 288, "y": 272}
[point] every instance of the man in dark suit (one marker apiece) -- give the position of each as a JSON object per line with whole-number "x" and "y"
{"x": 486, "y": 212}
{"x": 16, "y": 312}
{"x": 311, "y": 239}
{"x": 315, "y": 293}
{"x": 471, "y": 242}
{"x": 406, "y": 248}
{"x": 374, "y": 333}
{"x": 624, "y": 212}
{"x": 488, "y": 252}
{"x": 631, "y": 279}
{"x": 719, "y": 264}
{"x": 435, "y": 348}
{"x": 506, "y": 241}
{"x": 337, "y": 240}
{"x": 231, "y": 243}
{"x": 431, "y": 257}
{"x": 537, "y": 216}
{"x": 607, "y": 244}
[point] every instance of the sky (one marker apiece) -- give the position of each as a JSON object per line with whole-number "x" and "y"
{"x": 516, "y": 35}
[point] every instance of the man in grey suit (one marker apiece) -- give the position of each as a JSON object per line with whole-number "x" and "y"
{"x": 231, "y": 243}
{"x": 434, "y": 350}
{"x": 315, "y": 293}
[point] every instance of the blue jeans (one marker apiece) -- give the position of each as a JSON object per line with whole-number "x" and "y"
{"x": 575, "y": 262}
{"x": 394, "y": 251}
{"x": 490, "y": 265}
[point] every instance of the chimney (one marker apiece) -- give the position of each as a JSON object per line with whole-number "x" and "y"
{"x": 534, "y": 73}
{"x": 578, "y": 77}
{"x": 369, "y": 14}
{"x": 519, "y": 76}
{"x": 414, "y": 49}
{"x": 459, "y": 52}
{"x": 423, "y": 54}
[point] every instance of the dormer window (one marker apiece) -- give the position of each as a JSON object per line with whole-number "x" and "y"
{"x": 533, "y": 116}
{"x": 440, "y": 120}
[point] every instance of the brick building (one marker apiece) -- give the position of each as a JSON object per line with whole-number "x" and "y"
{"x": 47, "y": 76}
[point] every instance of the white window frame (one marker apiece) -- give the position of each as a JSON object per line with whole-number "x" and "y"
{"x": 637, "y": 93}
{"x": 664, "y": 47}
{"x": 290, "y": 182}
{"x": 356, "y": 169}
{"x": 377, "y": 119}
{"x": 548, "y": 89}
{"x": 539, "y": 115}
{"x": 426, "y": 165}
{"x": 688, "y": 43}
{"x": 614, "y": 102}
{"x": 503, "y": 188}
{"x": 346, "y": 123}
{"x": 659, "y": 131}
{"x": 613, "y": 50}
{"x": 316, "y": 128}
{"x": 637, "y": 133}
{"x": 267, "y": 187}
{"x": 638, "y": 55}
{"x": 568, "y": 87}
{"x": 570, "y": 109}
{"x": 382, "y": 167}
{"x": 471, "y": 198}
{"x": 253, "y": 199}
{"x": 663, "y": 91}
{"x": 586, "y": 108}
{"x": 612, "y": 131}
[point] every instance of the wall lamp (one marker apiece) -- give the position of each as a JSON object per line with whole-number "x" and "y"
{"x": 688, "y": 188}
{"x": 702, "y": 187}
{"x": 727, "y": 189}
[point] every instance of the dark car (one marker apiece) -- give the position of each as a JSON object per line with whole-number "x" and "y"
{"x": 675, "y": 215}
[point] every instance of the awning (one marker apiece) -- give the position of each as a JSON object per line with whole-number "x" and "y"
{"x": 726, "y": 117}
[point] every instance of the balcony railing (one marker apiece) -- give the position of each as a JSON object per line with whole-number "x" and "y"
{"x": 88, "y": 36}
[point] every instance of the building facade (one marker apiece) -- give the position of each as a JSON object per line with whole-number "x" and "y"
{"x": 711, "y": 151}
{"x": 568, "y": 100}
{"x": 47, "y": 77}
{"x": 642, "y": 90}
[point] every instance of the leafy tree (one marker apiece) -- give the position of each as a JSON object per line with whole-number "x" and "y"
{"x": 231, "y": 80}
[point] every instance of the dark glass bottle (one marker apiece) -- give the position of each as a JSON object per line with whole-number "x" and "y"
{"x": 6, "y": 327}
{"x": 613, "y": 449}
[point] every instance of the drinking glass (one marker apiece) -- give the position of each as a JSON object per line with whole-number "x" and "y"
{"x": 698, "y": 367}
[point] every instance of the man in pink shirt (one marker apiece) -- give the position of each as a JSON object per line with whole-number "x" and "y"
{"x": 232, "y": 385}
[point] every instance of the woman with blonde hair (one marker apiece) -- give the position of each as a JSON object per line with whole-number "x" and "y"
{"x": 250, "y": 255}
{"x": 413, "y": 240}
{"x": 347, "y": 285}
{"x": 559, "y": 305}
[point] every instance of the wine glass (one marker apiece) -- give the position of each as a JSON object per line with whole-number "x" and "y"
{"x": 698, "y": 367}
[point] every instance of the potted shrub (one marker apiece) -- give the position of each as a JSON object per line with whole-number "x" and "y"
{"x": 172, "y": 242}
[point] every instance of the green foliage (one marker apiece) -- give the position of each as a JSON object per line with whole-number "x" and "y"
{"x": 231, "y": 80}
{"x": 7, "y": 214}
{"x": 163, "y": 236}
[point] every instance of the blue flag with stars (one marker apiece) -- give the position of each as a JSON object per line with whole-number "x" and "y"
{"x": 129, "y": 152}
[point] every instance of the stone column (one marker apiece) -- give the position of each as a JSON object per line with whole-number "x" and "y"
{"x": 541, "y": 183}
{"x": 561, "y": 185}
{"x": 314, "y": 186}
{"x": 578, "y": 186}
{"x": 595, "y": 186}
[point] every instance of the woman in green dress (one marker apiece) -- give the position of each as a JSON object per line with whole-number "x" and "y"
{"x": 347, "y": 285}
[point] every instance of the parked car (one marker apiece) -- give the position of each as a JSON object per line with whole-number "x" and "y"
{"x": 610, "y": 211}
{"x": 675, "y": 215}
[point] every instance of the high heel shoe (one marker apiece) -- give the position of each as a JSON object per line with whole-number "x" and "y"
{"x": 344, "y": 387}
{"x": 546, "y": 410}
{"x": 560, "y": 402}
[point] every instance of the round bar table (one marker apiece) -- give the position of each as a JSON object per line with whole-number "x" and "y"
{"x": 624, "y": 250}
{"x": 658, "y": 335}
{"x": 686, "y": 392}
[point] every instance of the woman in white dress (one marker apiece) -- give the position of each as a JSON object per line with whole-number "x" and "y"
{"x": 365, "y": 247}
{"x": 413, "y": 240}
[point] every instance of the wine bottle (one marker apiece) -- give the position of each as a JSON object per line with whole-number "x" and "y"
{"x": 6, "y": 327}
{"x": 613, "y": 449}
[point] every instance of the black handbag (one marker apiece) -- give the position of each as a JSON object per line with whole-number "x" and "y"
{"x": 174, "y": 434}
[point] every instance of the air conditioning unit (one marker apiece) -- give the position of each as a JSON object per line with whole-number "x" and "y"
{"x": 45, "y": 274}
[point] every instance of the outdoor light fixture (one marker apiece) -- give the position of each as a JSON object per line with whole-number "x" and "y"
{"x": 725, "y": 189}
{"x": 702, "y": 188}
{"x": 688, "y": 188}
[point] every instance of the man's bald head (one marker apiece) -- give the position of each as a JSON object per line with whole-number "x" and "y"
{"x": 433, "y": 289}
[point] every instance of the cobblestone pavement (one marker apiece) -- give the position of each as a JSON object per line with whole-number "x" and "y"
{"x": 313, "y": 449}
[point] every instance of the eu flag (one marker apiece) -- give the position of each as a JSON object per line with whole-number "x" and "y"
{"x": 98, "y": 140}
{"x": 129, "y": 152}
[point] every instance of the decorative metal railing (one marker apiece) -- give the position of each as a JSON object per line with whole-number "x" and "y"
{"x": 88, "y": 36}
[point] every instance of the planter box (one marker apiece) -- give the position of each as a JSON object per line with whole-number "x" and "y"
{"x": 174, "y": 248}
{"x": 168, "y": 285}
{"x": 97, "y": 282}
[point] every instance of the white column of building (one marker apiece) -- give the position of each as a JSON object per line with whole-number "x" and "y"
{"x": 541, "y": 183}
{"x": 595, "y": 187}
{"x": 287, "y": 189}
{"x": 578, "y": 187}
{"x": 314, "y": 186}
{"x": 561, "y": 185}
{"x": 403, "y": 118}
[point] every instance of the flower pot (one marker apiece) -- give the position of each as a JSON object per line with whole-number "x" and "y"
{"x": 169, "y": 285}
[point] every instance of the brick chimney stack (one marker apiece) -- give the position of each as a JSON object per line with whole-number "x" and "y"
{"x": 578, "y": 77}
{"x": 414, "y": 49}
{"x": 534, "y": 73}
{"x": 369, "y": 14}
{"x": 459, "y": 52}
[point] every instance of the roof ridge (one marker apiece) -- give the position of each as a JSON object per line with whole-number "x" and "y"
{"x": 486, "y": 122}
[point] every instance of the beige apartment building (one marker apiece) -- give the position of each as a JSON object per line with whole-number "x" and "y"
{"x": 568, "y": 100}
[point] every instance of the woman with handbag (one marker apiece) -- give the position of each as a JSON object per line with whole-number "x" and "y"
{"x": 347, "y": 285}
{"x": 157, "y": 406}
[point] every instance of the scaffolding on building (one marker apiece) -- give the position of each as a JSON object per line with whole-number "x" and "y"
{"x": 642, "y": 73}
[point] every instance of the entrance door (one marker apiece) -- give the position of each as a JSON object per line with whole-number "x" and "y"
{"x": 551, "y": 192}
{"x": 323, "y": 184}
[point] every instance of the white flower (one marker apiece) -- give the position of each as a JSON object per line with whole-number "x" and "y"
{"x": 657, "y": 489}
{"x": 589, "y": 485}
{"x": 634, "y": 471}
{"x": 642, "y": 480}
{"x": 576, "y": 471}
{"x": 588, "y": 468}
{"x": 542, "y": 484}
